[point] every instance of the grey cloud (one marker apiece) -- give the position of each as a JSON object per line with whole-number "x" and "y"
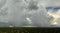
{"x": 17, "y": 18}
{"x": 18, "y": 12}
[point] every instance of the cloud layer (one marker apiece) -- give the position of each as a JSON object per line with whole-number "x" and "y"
{"x": 29, "y": 13}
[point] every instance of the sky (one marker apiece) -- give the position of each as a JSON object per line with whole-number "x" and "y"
{"x": 20, "y": 13}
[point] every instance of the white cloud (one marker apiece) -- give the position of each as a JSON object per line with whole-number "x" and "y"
{"x": 56, "y": 17}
